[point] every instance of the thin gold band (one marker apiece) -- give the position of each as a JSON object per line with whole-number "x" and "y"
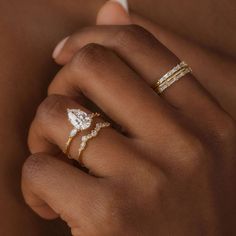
{"x": 68, "y": 145}
{"x": 171, "y": 77}
{"x": 85, "y": 139}
{"x": 180, "y": 74}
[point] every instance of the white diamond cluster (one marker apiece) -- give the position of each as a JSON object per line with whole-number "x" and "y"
{"x": 171, "y": 77}
{"x": 80, "y": 120}
{"x": 93, "y": 134}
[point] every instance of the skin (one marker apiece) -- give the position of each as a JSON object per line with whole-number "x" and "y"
{"x": 26, "y": 69}
{"x": 207, "y": 64}
{"x": 32, "y": 76}
{"x": 157, "y": 178}
{"x": 206, "y": 22}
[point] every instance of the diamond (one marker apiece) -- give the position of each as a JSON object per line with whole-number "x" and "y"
{"x": 84, "y": 138}
{"x": 73, "y": 133}
{"x": 79, "y": 119}
{"x": 94, "y": 133}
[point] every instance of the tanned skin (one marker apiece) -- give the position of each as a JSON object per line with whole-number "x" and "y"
{"x": 29, "y": 32}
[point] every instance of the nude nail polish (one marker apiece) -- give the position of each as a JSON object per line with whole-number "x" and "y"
{"x": 123, "y": 3}
{"x": 59, "y": 47}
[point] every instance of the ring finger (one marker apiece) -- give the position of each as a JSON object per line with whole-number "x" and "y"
{"x": 50, "y": 130}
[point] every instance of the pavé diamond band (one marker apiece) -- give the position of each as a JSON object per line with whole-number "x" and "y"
{"x": 80, "y": 120}
{"x": 85, "y": 139}
{"x": 171, "y": 77}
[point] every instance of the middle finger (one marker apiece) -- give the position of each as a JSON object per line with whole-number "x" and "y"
{"x": 99, "y": 74}
{"x": 146, "y": 55}
{"x": 104, "y": 155}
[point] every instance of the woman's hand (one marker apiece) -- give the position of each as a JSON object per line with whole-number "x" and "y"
{"x": 172, "y": 170}
{"x": 215, "y": 71}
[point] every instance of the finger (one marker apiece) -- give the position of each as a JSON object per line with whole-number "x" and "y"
{"x": 210, "y": 68}
{"x": 52, "y": 187}
{"x": 114, "y": 13}
{"x": 91, "y": 72}
{"x": 150, "y": 59}
{"x": 104, "y": 155}
{"x": 206, "y": 65}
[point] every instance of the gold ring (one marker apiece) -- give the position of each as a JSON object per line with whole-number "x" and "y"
{"x": 85, "y": 139}
{"x": 80, "y": 120}
{"x": 171, "y": 77}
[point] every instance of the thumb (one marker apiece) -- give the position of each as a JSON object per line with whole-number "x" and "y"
{"x": 114, "y": 12}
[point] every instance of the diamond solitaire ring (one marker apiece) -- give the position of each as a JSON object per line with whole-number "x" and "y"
{"x": 80, "y": 120}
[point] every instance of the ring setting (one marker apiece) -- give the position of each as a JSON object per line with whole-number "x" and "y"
{"x": 86, "y": 138}
{"x": 80, "y": 120}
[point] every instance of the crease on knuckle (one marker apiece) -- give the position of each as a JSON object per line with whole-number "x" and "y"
{"x": 90, "y": 57}
{"x": 33, "y": 168}
{"x": 128, "y": 35}
{"x": 156, "y": 183}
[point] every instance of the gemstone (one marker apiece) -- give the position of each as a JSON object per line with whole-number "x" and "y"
{"x": 94, "y": 133}
{"x": 79, "y": 119}
{"x": 84, "y": 138}
{"x": 73, "y": 133}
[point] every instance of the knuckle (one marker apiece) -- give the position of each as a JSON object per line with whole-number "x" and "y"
{"x": 224, "y": 131}
{"x": 32, "y": 168}
{"x": 131, "y": 32}
{"x": 156, "y": 183}
{"x": 151, "y": 174}
{"x": 50, "y": 107}
{"x": 128, "y": 35}
{"x": 147, "y": 173}
{"x": 115, "y": 208}
{"x": 195, "y": 159}
{"x": 92, "y": 56}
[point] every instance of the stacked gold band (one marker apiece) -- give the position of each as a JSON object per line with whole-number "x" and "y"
{"x": 85, "y": 139}
{"x": 171, "y": 77}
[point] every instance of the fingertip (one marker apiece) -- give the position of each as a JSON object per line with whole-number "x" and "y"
{"x": 59, "y": 47}
{"x": 113, "y": 13}
{"x": 123, "y": 3}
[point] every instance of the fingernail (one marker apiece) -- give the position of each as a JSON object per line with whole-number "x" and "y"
{"x": 123, "y": 3}
{"x": 59, "y": 48}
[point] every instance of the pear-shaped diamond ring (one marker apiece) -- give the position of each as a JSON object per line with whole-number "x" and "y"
{"x": 80, "y": 120}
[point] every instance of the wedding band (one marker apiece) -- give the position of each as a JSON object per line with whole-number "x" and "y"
{"x": 80, "y": 120}
{"x": 171, "y": 77}
{"x": 85, "y": 139}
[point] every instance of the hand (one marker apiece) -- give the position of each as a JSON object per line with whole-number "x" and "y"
{"x": 215, "y": 71}
{"x": 171, "y": 173}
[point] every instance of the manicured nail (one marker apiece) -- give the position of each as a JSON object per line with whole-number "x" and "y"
{"x": 123, "y": 3}
{"x": 59, "y": 48}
